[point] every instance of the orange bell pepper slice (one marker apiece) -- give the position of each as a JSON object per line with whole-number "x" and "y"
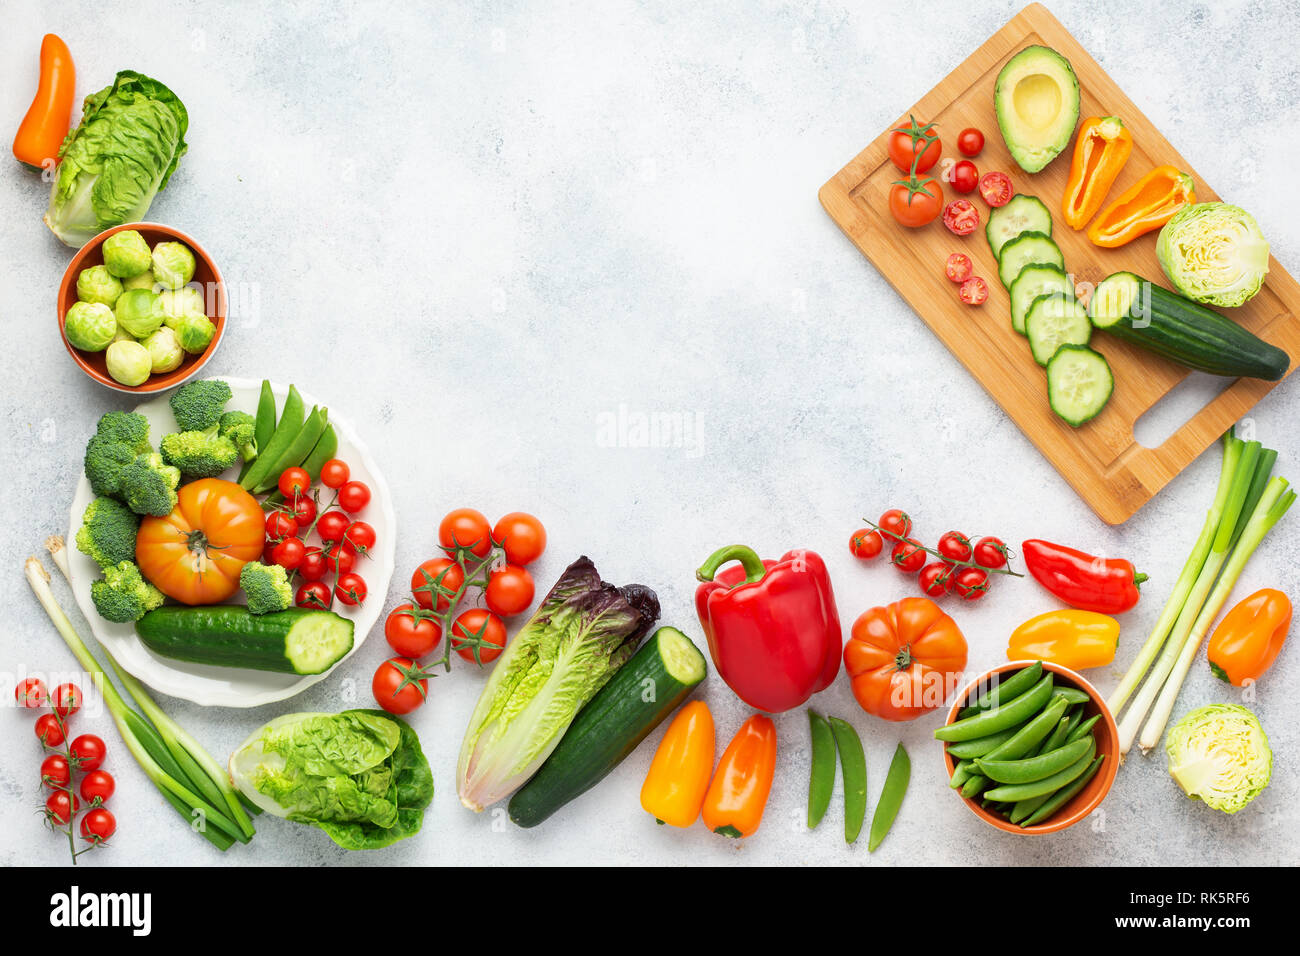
{"x": 678, "y": 778}
{"x": 1249, "y": 637}
{"x": 1100, "y": 152}
{"x": 1072, "y": 638}
{"x": 1148, "y": 204}
{"x": 738, "y": 793}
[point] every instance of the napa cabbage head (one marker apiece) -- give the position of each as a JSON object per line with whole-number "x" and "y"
{"x": 583, "y": 631}
{"x": 1220, "y": 755}
{"x": 1214, "y": 253}
{"x": 131, "y": 138}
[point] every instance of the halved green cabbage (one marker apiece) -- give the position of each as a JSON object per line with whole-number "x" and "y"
{"x": 1220, "y": 755}
{"x": 1214, "y": 253}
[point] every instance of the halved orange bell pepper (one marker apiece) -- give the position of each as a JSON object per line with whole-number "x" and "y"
{"x": 738, "y": 793}
{"x": 1100, "y": 152}
{"x": 1072, "y": 638}
{"x": 679, "y": 774}
{"x": 1148, "y": 204}
{"x": 1248, "y": 639}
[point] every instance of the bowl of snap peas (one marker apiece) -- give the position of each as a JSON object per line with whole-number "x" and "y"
{"x": 1031, "y": 747}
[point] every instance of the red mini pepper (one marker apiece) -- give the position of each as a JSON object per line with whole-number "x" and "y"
{"x": 772, "y": 626}
{"x": 1090, "y": 583}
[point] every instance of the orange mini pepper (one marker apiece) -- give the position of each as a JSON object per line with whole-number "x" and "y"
{"x": 1100, "y": 152}
{"x": 46, "y": 123}
{"x": 738, "y": 793}
{"x": 1248, "y": 639}
{"x": 1072, "y": 638}
{"x": 1148, "y": 204}
{"x": 678, "y": 778}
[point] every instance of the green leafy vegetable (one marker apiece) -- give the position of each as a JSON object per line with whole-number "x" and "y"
{"x": 1214, "y": 253}
{"x": 1220, "y": 755}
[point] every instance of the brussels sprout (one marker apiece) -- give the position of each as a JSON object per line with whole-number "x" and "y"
{"x": 90, "y": 326}
{"x": 164, "y": 350}
{"x": 126, "y": 254}
{"x": 173, "y": 264}
{"x": 128, "y": 362}
{"x": 97, "y": 284}
{"x": 179, "y": 303}
{"x": 143, "y": 281}
{"x": 194, "y": 332}
{"x": 122, "y": 335}
{"x": 139, "y": 312}
{"x": 1214, "y": 253}
{"x": 1220, "y": 754}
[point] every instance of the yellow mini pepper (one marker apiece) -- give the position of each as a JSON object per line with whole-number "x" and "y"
{"x": 679, "y": 774}
{"x": 1249, "y": 637}
{"x": 1072, "y": 638}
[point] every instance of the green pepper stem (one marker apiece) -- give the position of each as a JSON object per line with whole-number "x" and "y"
{"x": 748, "y": 558}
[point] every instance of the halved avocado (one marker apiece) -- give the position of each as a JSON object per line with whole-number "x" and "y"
{"x": 1037, "y": 102}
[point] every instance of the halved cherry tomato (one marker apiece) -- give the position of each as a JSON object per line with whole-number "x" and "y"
{"x": 478, "y": 635}
{"x": 915, "y": 202}
{"x": 908, "y": 555}
{"x": 970, "y": 141}
{"x": 411, "y": 633}
{"x": 440, "y": 575}
{"x": 974, "y": 291}
{"x": 936, "y": 579}
{"x": 914, "y": 143}
{"x": 990, "y": 552}
{"x": 313, "y": 594}
{"x": 866, "y": 544}
{"x": 996, "y": 189}
{"x": 964, "y": 177}
{"x": 961, "y": 217}
{"x": 959, "y": 267}
{"x": 509, "y": 591}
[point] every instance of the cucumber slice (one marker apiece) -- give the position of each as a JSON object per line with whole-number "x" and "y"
{"x": 1055, "y": 320}
{"x": 1034, "y": 280}
{"x": 1079, "y": 383}
{"x": 1026, "y": 249}
{"x": 1022, "y": 214}
{"x": 296, "y": 641}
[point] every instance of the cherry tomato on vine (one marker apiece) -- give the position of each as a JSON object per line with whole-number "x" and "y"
{"x": 294, "y": 481}
{"x": 335, "y": 473}
{"x": 350, "y": 589}
{"x": 477, "y": 630}
{"x": 313, "y": 566}
{"x": 914, "y": 203}
{"x": 48, "y": 730}
{"x": 304, "y": 511}
{"x": 908, "y": 555}
{"x": 332, "y": 525}
{"x": 31, "y": 693}
{"x": 313, "y": 594}
{"x": 410, "y": 633}
{"x": 964, "y": 177}
{"x": 359, "y": 537}
{"x": 280, "y": 525}
{"x": 55, "y": 772}
{"x": 974, "y": 291}
{"x": 97, "y": 825}
{"x": 960, "y": 217}
{"x": 87, "y": 752}
{"x": 896, "y": 522}
{"x": 908, "y": 144}
{"x": 354, "y": 496}
{"x": 522, "y": 536}
{"x": 996, "y": 189}
{"x": 60, "y": 807}
{"x": 288, "y": 554}
{"x": 97, "y": 785}
{"x": 955, "y": 546}
{"x": 990, "y": 552}
{"x": 67, "y": 699}
{"x": 442, "y": 573}
{"x": 866, "y": 544}
{"x": 339, "y": 558}
{"x": 509, "y": 591}
{"x": 970, "y": 141}
{"x": 971, "y": 583}
{"x": 399, "y": 685}
{"x": 936, "y": 579}
{"x": 465, "y": 528}
{"x": 959, "y": 267}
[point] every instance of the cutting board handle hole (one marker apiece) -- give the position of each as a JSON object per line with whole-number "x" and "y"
{"x": 1178, "y": 406}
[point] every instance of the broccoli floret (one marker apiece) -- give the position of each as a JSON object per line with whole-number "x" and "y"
{"x": 266, "y": 587}
{"x": 198, "y": 405}
{"x": 148, "y": 485}
{"x": 123, "y": 595}
{"x": 107, "y": 533}
{"x": 118, "y": 439}
{"x": 239, "y": 428}
{"x": 129, "y": 428}
{"x": 202, "y": 454}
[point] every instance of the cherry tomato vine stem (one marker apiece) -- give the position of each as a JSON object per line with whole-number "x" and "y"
{"x": 956, "y": 565}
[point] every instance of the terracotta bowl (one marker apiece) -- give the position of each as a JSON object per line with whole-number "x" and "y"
{"x": 206, "y": 274}
{"x": 1105, "y": 732}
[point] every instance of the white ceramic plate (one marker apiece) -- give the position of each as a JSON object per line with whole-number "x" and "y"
{"x": 225, "y": 686}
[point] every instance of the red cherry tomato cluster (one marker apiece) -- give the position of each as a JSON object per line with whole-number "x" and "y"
{"x": 479, "y": 556}
{"x": 341, "y": 539}
{"x": 71, "y": 770}
{"x": 956, "y": 565}
{"x": 961, "y": 216}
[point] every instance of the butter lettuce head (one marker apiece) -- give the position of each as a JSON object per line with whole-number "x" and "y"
{"x": 1214, "y": 253}
{"x": 1220, "y": 755}
{"x": 129, "y": 142}
{"x": 359, "y": 775}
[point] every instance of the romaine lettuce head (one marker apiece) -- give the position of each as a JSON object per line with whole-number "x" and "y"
{"x": 1214, "y": 253}
{"x": 583, "y": 631}
{"x": 1220, "y": 755}
{"x": 131, "y": 138}
{"x": 359, "y": 775}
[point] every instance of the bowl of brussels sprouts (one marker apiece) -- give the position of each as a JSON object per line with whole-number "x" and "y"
{"x": 142, "y": 307}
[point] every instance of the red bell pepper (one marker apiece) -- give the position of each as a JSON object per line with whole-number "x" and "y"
{"x": 1090, "y": 583}
{"x": 773, "y": 629}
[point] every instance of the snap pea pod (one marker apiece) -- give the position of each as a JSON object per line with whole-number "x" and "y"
{"x": 1059, "y": 738}
{"x": 974, "y": 786}
{"x": 263, "y": 423}
{"x": 1076, "y": 715}
{"x": 961, "y": 773}
{"x": 1064, "y": 795}
{"x": 1035, "y": 768}
{"x": 891, "y": 798}
{"x": 1084, "y": 727}
{"x": 1071, "y": 694}
{"x": 1030, "y": 735}
{"x": 1024, "y": 808}
{"x": 1013, "y": 792}
{"x": 853, "y": 767}
{"x": 978, "y": 747}
{"x": 821, "y": 778}
{"x": 1015, "y": 685}
{"x": 290, "y": 424}
{"x": 298, "y": 449}
{"x": 1015, "y": 711}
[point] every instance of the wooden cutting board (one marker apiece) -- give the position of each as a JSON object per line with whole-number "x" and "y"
{"x": 1102, "y": 460}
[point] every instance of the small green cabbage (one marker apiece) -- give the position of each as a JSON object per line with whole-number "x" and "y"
{"x": 139, "y": 312}
{"x": 143, "y": 281}
{"x": 164, "y": 350}
{"x": 1220, "y": 755}
{"x": 177, "y": 304}
{"x": 1214, "y": 253}
{"x": 97, "y": 284}
{"x": 90, "y": 326}
{"x": 194, "y": 332}
{"x": 128, "y": 363}
{"x": 126, "y": 254}
{"x": 173, "y": 264}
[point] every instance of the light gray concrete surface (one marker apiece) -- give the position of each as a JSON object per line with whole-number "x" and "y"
{"x": 482, "y": 230}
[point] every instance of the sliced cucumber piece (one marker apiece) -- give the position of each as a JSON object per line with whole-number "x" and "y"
{"x": 1055, "y": 320}
{"x": 1079, "y": 383}
{"x": 1026, "y": 249}
{"x": 1034, "y": 280}
{"x": 1022, "y": 214}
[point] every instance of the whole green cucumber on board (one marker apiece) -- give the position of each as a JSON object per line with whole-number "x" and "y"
{"x": 1138, "y": 311}
{"x": 296, "y": 641}
{"x": 634, "y": 702}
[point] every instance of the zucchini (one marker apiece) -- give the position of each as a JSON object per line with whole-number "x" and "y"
{"x": 1026, "y": 249}
{"x": 1022, "y": 214}
{"x": 1079, "y": 384}
{"x": 296, "y": 641}
{"x": 1141, "y": 312}
{"x": 1034, "y": 280}
{"x": 1055, "y": 320}
{"x": 634, "y": 702}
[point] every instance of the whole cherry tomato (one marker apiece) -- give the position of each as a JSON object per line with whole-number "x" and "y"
{"x": 522, "y": 536}
{"x": 465, "y": 528}
{"x": 350, "y": 589}
{"x": 294, "y": 481}
{"x": 478, "y": 635}
{"x": 332, "y": 525}
{"x": 990, "y": 552}
{"x": 908, "y": 555}
{"x": 359, "y": 537}
{"x": 313, "y": 594}
{"x": 289, "y": 553}
{"x": 955, "y": 546}
{"x": 313, "y": 566}
{"x": 410, "y": 632}
{"x": 280, "y": 525}
{"x": 55, "y": 772}
{"x": 400, "y": 685}
{"x": 335, "y": 473}
{"x": 304, "y": 511}
{"x": 866, "y": 544}
{"x": 48, "y": 730}
{"x": 31, "y": 693}
{"x": 87, "y": 752}
{"x": 896, "y": 522}
{"x": 67, "y": 699}
{"x": 970, "y": 141}
{"x": 936, "y": 579}
{"x": 354, "y": 496}
{"x": 965, "y": 177}
{"x": 913, "y": 143}
{"x": 509, "y": 591}
{"x": 971, "y": 584}
{"x": 442, "y": 575}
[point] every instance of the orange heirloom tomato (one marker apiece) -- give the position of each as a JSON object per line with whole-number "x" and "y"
{"x": 195, "y": 553}
{"x": 901, "y": 658}
{"x": 678, "y": 778}
{"x": 1248, "y": 639}
{"x": 737, "y": 796}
